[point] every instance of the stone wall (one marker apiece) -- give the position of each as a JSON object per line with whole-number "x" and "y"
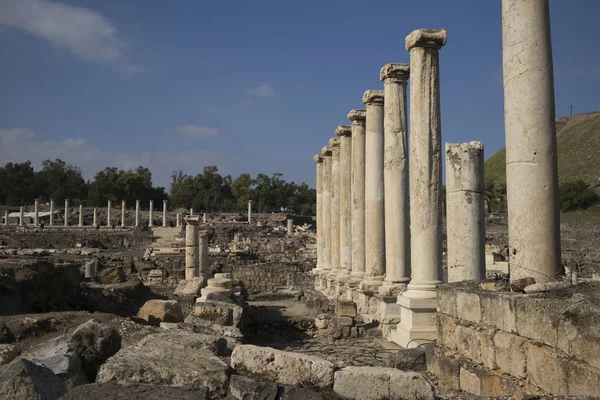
{"x": 504, "y": 343}
{"x": 274, "y": 277}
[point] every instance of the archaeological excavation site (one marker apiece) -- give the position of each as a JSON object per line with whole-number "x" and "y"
{"x": 404, "y": 275}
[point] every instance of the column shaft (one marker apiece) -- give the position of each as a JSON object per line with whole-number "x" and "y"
{"x": 191, "y": 248}
{"x": 319, "y": 219}
{"x": 80, "y": 215}
{"x": 345, "y": 134}
{"x": 290, "y": 227}
{"x": 51, "y": 213}
{"x": 358, "y": 118}
{"x": 6, "y": 217}
{"x": 95, "y": 217}
{"x": 66, "y": 222}
{"x": 249, "y": 211}
{"x": 36, "y": 213}
{"x": 326, "y": 208}
{"x": 335, "y": 205}
{"x": 21, "y": 216}
{"x": 123, "y": 214}
{"x": 150, "y": 210}
{"x": 108, "y": 213}
{"x": 164, "y": 221}
{"x": 137, "y": 213}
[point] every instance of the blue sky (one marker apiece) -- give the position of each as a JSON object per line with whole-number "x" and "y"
{"x": 248, "y": 86}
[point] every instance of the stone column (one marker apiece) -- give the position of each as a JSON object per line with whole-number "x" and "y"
{"x": 66, "y": 222}
{"x": 334, "y": 143}
{"x": 204, "y": 218}
{"x": 326, "y": 208}
{"x": 80, "y": 215}
{"x": 137, "y": 213}
{"x": 150, "y": 210}
{"x": 203, "y": 255}
{"x": 164, "y": 224}
{"x": 465, "y": 212}
{"x": 529, "y": 121}
{"x": 21, "y": 216}
{"x": 374, "y": 201}
{"x": 178, "y": 220}
{"x": 51, "y": 213}
{"x": 319, "y": 231}
{"x": 290, "y": 227}
{"x": 191, "y": 212}
{"x": 95, "y": 217}
{"x": 345, "y": 134}
{"x": 108, "y": 213}
{"x": 36, "y": 213}
{"x": 249, "y": 211}
{"x": 395, "y": 178}
{"x": 123, "y": 213}
{"x": 191, "y": 247}
{"x": 418, "y": 304}
{"x": 6, "y": 217}
{"x": 358, "y": 118}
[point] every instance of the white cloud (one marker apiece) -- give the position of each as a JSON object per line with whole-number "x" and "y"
{"x": 262, "y": 90}
{"x": 201, "y": 131}
{"x": 19, "y": 145}
{"x": 83, "y": 32}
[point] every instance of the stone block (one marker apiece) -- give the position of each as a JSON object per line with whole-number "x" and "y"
{"x": 545, "y": 370}
{"x": 243, "y": 388}
{"x": 468, "y": 307}
{"x": 582, "y": 379}
{"x": 538, "y": 318}
{"x": 157, "y": 311}
{"x": 446, "y": 299}
{"x": 498, "y": 310}
{"x": 321, "y": 323}
{"x": 510, "y": 354}
{"x": 578, "y": 334}
{"x": 24, "y": 379}
{"x": 8, "y": 352}
{"x": 487, "y": 348}
{"x": 467, "y": 342}
{"x": 444, "y": 368}
{"x": 446, "y": 326}
{"x": 345, "y": 321}
{"x": 189, "y": 287}
{"x": 484, "y": 383}
{"x": 222, "y": 313}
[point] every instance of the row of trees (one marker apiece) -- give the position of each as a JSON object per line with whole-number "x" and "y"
{"x": 208, "y": 191}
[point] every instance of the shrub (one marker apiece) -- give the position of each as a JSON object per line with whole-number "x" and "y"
{"x": 576, "y": 195}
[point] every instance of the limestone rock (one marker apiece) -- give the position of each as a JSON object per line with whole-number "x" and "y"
{"x": 58, "y": 356}
{"x": 115, "y": 391}
{"x": 189, "y": 287}
{"x": 95, "y": 342}
{"x": 519, "y": 285}
{"x": 23, "y": 379}
{"x": 266, "y": 363}
{"x": 8, "y": 352}
{"x": 172, "y": 358}
{"x": 345, "y": 309}
{"x": 113, "y": 275}
{"x": 222, "y": 313}
{"x": 296, "y": 393}
{"x": 544, "y": 287}
{"x": 375, "y": 383}
{"x": 243, "y": 388}
{"x": 157, "y": 311}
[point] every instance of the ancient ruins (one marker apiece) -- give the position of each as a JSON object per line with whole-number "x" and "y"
{"x": 398, "y": 289}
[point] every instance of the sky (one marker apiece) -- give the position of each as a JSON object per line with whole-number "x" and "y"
{"x": 254, "y": 87}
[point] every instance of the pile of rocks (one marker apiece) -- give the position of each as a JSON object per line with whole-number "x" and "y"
{"x": 343, "y": 324}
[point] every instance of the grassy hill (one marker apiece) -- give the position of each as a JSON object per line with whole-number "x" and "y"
{"x": 578, "y": 150}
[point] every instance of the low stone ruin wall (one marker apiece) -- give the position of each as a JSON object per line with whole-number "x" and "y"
{"x": 274, "y": 277}
{"x": 504, "y": 343}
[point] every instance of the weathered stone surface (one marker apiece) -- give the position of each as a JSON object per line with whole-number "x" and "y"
{"x": 519, "y": 285}
{"x": 189, "y": 287}
{"x": 468, "y": 306}
{"x": 112, "y": 275}
{"x": 244, "y": 388}
{"x": 321, "y": 323}
{"x": 545, "y": 370}
{"x": 510, "y": 354}
{"x": 173, "y": 359}
{"x": 296, "y": 393}
{"x": 8, "y": 352}
{"x": 345, "y": 309}
{"x": 115, "y": 391}
{"x": 282, "y": 366}
{"x": 95, "y": 342}
{"x": 222, "y": 313}
{"x": 58, "y": 356}
{"x": 157, "y": 311}
{"x": 544, "y": 287}
{"x": 23, "y": 379}
{"x": 345, "y": 321}
{"x": 375, "y": 383}
{"x": 405, "y": 359}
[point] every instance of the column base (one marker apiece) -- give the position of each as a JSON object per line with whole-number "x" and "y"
{"x": 391, "y": 288}
{"x": 417, "y": 321}
{"x": 371, "y": 283}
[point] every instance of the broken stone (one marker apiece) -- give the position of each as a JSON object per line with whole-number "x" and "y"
{"x": 23, "y": 379}
{"x": 519, "y": 285}
{"x": 95, "y": 342}
{"x": 157, "y": 311}
{"x": 544, "y": 287}
{"x": 8, "y": 352}
{"x": 345, "y": 309}
{"x": 243, "y": 388}
{"x": 190, "y": 286}
{"x": 115, "y": 391}
{"x": 345, "y": 321}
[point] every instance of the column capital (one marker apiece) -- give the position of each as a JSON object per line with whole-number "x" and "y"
{"x": 395, "y": 72}
{"x": 192, "y": 220}
{"x": 334, "y": 144}
{"x": 326, "y": 151}
{"x": 165, "y": 201}
{"x": 357, "y": 116}
{"x": 431, "y": 38}
{"x": 373, "y": 97}
{"x": 343, "y": 130}
{"x": 318, "y": 158}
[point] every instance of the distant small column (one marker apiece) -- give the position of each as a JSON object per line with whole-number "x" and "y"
{"x": 137, "y": 213}
{"x": 36, "y": 213}
{"x": 191, "y": 247}
{"x": 21, "y": 215}
{"x": 95, "y": 218}
{"x": 164, "y": 224}
{"x": 204, "y": 218}
{"x": 178, "y": 220}
{"x": 465, "y": 213}
{"x": 203, "y": 255}
{"x": 249, "y": 211}
{"x": 51, "y": 213}
{"x": 290, "y": 227}
{"x": 191, "y": 212}
{"x": 150, "y": 210}
{"x": 123, "y": 213}
{"x": 108, "y": 212}
{"x": 66, "y": 212}
{"x": 80, "y": 215}
{"x": 6, "y": 217}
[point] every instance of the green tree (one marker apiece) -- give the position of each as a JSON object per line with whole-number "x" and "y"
{"x": 242, "y": 189}
{"x": 18, "y": 183}
{"x": 59, "y": 181}
{"x": 576, "y": 195}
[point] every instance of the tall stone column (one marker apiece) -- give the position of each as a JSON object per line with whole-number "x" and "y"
{"x": 529, "y": 121}
{"x": 80, "y": 215}
{"x": 334, "y": 143}
{"x": 204, "y": 218}
{"x": 164, "y": 222}
{"x": 36, "y": 213}
{"x": 320, "y": 248}
{"x": 178, "y": 220}
{"x": 395, "y": 178}
{"x": 374, "y": 201}
{"x": 108, "y": 213}
{"x": 191, "y": 247}
{"x": 123, "y": 213}
{"x": 345, "y": 134}
{"x": 95, "y": 217}
{"x": 203, "y": 255}
{"x": 465, "y": 212}
{"x": 137, "y": 213}
{"x": 418, "y": 304}
{"x": 191, "y": 212}
{"x": 51, "y": 223}
{"x": 290, "y": 227}
{"x": 66, "y": 212}
{"x": 358, "y": 118}
{"x": 249, "y": 211}
{"x": 6, "y": 218}
{"x": 150, "y": 210}
{"x": 21, "y": 216}
{"x": 326, "y": 208}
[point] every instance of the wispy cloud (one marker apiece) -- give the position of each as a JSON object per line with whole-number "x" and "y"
{"x": 201, "y": 131}
{"x": 262, "y": 90}
{"x": 85, "y": 33}
{"x": 18, "y": 145}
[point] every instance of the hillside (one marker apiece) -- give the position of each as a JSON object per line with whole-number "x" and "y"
{"x": 578, "y": 150}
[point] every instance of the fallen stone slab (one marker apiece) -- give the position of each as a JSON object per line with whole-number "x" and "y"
{"x": 157, "y": 311}
{"x": 375, "y": 383}
{"x": 545, "y": 287}
{"x": 115, "y": 391}
{"x": 95, "y": 342}
{"x": 190, "y": 287}
{"x": 23, "y": 379}
{"x": 266, "y": 363}
{"x": 222, "y": 313}
{"x": 519, "y": 285}
{"x": 244, "y": 388}
{"x": 296, "y": 393}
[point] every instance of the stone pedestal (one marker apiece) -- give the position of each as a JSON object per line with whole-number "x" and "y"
{"x": 81, "y": 216}
{"x": 357, "y": 193}
{"x": 137, "y": 213}
{"x": 326, "y": 209}
{"x": 36, "y": 213}
{"x": 164, "y": 219}
{"x": 374, "y": 201}
{"x": 418, "y": 324}
{"x": 66, "y": 219}
{"x": 51, "y": 223}
{"x": 150, "y": 211}
{"x": 123, "y": 213}
{"x": 216, "y": 286}
{"x": 334, "y": 144}
{"x": 530, "y": 125}
{"x": 108, "y": 214}
{"x": 192, "y": 254}
{"x": 465, "y": 212}
{"x": 290, "y": 227}
{"x": 395, "y": 177}
{"x": 319, "y": 231}
{"x": 345, "y": 171}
